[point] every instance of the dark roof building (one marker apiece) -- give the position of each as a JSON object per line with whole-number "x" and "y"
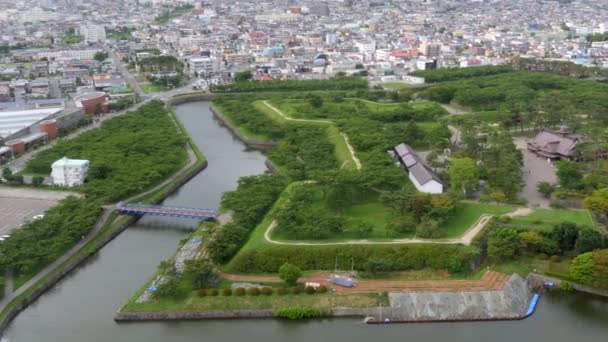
{"x": 423, "y": 178}
{"x": 554, "y": 145}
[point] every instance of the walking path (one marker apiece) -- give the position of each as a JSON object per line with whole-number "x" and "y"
{"x": 348, "y": 145}
{"x": 465, "y": 239}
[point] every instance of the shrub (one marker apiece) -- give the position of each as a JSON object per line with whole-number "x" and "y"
{"x": 281, "y": 291}
{"x": 555, "y": 258}
{"x": 290, "y": 273}
{"x": 322, "y": 289}
{"x": 254, "y": 291}
{"x": 566, "y": 286}
{"x": 267, "y": 291}
{"x": 239, "y": 291}
{"x": 295, "y": 290}
{"x": 213, "y": 292}
{"x": 201, "y": 292}
{"x": 543, "y": 256}
{"x": 227, "y": 292}
{"x": 37, "y": 180}
{"x": 309, "y": 290}
{"x": 299, "y": 312}
{"x": 581, "y": 268}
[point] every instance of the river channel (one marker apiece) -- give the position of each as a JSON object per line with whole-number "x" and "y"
{"x": 80, "y": 308}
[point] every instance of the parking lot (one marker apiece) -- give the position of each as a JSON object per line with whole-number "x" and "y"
{"x": 18, "y": 205}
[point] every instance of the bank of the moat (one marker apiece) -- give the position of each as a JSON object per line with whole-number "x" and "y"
{"x": 81, "y": 306}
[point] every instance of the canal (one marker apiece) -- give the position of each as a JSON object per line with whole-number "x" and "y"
{"x": 80, "y": 308}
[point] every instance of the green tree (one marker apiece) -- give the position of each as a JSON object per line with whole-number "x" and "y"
{"x": 503, "y": 244}
{"x": 569, "y": 174}
{"x": 201, "y": 274}
{"x": 565, "y": 235}
{"x": 588, "y": 240}
{"x": 364, "y": 229}
{"x": 243, "y": 76}
{"x": 545, "y": 188}
{"x": 100, "y": 56}
{"x": 315, "y": 101}
{"x": 581, "y": 268}
{"x": 463, "y": 174}
{"x": 413, "y": 133}
{"x": 378, "y": 265}
{"x": 7, "y": 174}
{"x": 290, "y": 273}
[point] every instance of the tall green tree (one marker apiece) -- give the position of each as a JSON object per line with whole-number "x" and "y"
{"x": 463, "y": 174}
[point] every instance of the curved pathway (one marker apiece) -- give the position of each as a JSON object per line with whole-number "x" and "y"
{"x": 288, "y": 118}
{"x": 465, "y": 239}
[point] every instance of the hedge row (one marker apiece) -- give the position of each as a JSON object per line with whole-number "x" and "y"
{"x": 301, "y": 312}
{"x": 455, "y": 258}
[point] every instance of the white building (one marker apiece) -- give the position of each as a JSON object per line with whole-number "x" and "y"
{"x": 68, "y": 54}
{"x": 205, "y": 65}
{"x": 69, "y": 172}
{"x": 424, "y": 179}
{"x": 93, "y": 33}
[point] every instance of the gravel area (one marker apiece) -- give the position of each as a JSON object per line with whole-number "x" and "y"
{"x": 535, "y": 169}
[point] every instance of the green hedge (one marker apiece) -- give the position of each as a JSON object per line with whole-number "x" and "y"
{"x": 301, "y": 312}
{"x": 455, "y": 258}
{"x": 338, "y": 83}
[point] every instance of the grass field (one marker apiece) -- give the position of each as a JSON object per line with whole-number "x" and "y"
{"x": 152, "y": 88}
{"x": 261, "y": 302}
{"x": 469, "y": 213}
{"x": 546, "y": 218}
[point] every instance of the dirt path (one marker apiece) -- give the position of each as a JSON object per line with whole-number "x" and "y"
{"x": 353, "y": 155}
{"x": 490, "y": 281}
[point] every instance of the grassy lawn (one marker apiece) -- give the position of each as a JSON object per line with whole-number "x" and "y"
{"x": 374, "y": 213}
{"x": 261, "y": 302}
{"x": 546, "y": 218}
{"x": 395, "y": 85}
{"x": 152, "y": 88}
{"x": 469, "y": 213}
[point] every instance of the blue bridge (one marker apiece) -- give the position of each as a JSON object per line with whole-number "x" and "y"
{"x": 160, "y": 210}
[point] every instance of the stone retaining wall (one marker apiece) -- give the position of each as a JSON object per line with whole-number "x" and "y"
{"x": 191, "y": 315}
{"x": 253, "y": 143}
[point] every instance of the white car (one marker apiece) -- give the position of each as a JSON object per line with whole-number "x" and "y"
{"x": 38, "y": 217}
{"x": 5, "y": 236}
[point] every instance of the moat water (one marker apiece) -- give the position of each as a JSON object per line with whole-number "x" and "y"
{"x": 81, "y": 307}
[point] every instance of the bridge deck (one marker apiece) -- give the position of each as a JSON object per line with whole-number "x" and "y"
{"x": 158, "y": 210}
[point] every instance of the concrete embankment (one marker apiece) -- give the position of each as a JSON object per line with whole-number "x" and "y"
{"x": 510, "y": 302}
{"x": 190, "y": 315}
